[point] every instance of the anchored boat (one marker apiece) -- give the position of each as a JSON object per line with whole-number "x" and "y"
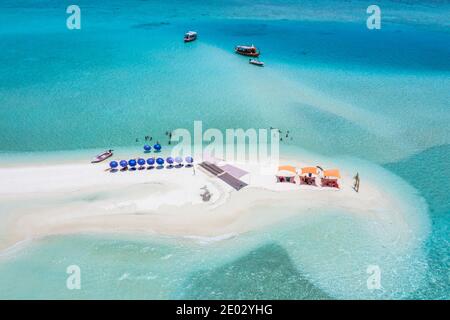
{"x": 190, "y": 36}
{"x": 256, "y": 62}
{"x": 250, "y": 51}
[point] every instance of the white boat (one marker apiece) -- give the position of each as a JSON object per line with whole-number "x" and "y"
{"x": 190, "y": 36}
{"x": 256, "y": 62}
{"x": 102, "y": 156}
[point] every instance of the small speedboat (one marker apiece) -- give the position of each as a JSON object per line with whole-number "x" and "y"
{"x": 102, "y": 157}
{"x": 250, "y": 51}
{"x": 256, "y": 62}
{"x": 190, "y": 36}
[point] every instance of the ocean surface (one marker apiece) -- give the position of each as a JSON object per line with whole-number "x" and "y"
{"x": 376, "y": 97}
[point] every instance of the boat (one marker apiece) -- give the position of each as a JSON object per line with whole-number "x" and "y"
{"x": 256, "y": 62}
{"x": 250, "y": 51}
{"x": 190, "y": 36}
{"x": 102, "y": 156}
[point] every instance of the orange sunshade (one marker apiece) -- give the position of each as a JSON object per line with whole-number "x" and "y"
{"x": 287, "y": 168}
{"x": 312, "y": 170}
{"x": 332, "y": 173}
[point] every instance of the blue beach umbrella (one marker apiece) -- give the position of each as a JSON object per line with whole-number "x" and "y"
{"x": 141, "y": 161}
{"x": 147, "y": 148}
{"x": 151, "y": 161}
{"x": 169, "y": 160}
{"x": 157, "y": 147}
{"x": 113, "y": 164}
{"x": 132, "y": 163}
{"x": 189, "y": 161}
{"x": 160, "y": 161}
{"x": 123, "y": 163}
{"x": 178, "y": 160}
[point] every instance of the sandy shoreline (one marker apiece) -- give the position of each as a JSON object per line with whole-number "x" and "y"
{"x": 81, "y": 197}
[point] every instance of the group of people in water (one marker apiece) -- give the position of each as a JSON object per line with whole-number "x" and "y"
{"x": 285, "y": 135}
{"x": 149, "y": 138}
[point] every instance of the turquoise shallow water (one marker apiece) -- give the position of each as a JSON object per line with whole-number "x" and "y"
{"x": 127, "y": 77}
{"x": 434, "y": 188}
{"x": 311, "y": 257}
{"x": 340, "y": 89}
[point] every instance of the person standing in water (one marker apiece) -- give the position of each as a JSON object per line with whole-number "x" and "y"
{"x": 356, "y": 184}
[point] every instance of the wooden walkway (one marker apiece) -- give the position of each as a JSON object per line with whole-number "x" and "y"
{"x": 222, "y": 175}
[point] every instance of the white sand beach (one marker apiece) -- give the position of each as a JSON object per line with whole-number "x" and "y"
{"x": 81, "y": 197}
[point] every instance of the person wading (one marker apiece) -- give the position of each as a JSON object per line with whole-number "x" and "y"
{"x": 356, "y": 184}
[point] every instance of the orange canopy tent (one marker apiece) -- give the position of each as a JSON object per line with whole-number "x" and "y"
{"x": 332, "y": 173}
{"x": 286, "y": 174}
{"x": 286, "y": 171}
{"x": 287, "y": 168}
{"x": 307, "y": 170}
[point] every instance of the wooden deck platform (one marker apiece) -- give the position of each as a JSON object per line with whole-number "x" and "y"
{"x": 222, "y": 175}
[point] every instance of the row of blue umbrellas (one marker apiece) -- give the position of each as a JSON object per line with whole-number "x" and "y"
{"x": 148, "y": 148}
{"x": 150, "y": 161}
